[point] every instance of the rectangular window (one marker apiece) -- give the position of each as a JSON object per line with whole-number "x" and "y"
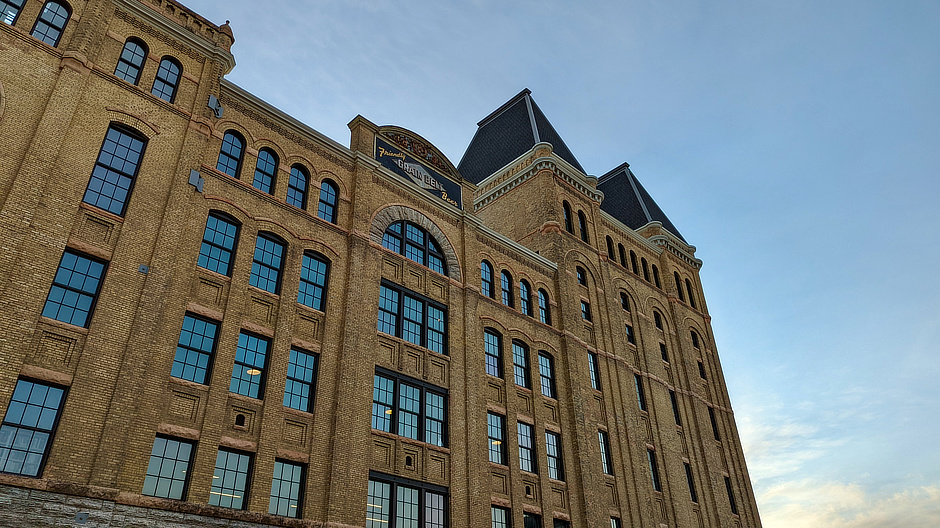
{"x": 286, "y": 489}
{"x": 409, "y": 408}
{"x": 531, "y": 520}
{"x": 731, "y": 501}
{"x": 396, "y": 502}
{"x": 115, "y": 170}
{"x": 413, "y": 318}
{"x": 195, "y": 349}
{"x": 251, "y": 359}
{"x": 585, "y": 310}
{"x": 520, "y": 365}
{"x": 675, "y": 407}
{"x": 663, "y": 353}
{"x": 560, "y": 523}
{"x": 556, "y": 468}
{"x": 688, "y": 476}
{"x": 168, "y": 469}
{"x": 594, "y": 369}
{"x": 230, "y": 480}
{"x": 630, "y": 337}
{"x": 615, "y": 522}
{"x": 267, "y": 263}
{"x": 714, "y": 421}
{"x": 501, "y": 517}
{"x": 526, "y": 447}
{"x": 313, "y": 276}
{"x": 607, "y": 463}
{"x": 640, "y": 394}
{"x": 75, "y": 289}
{"x": 654, "y": 470}
{"x": 218, "y": 244}
{"x": 547, "y": 375}
{"x": 29, "y": 426}
{"x": 493, "y": 350}
{"x": 496, "y": 433}
{"x": 301, "y": 380}
{"x": 701, "y": 369}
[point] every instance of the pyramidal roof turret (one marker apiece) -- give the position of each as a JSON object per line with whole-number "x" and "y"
{"x": 626, "y": 200}
{"x": 509, "y": 132}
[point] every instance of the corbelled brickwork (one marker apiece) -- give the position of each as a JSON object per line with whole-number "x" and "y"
{"x": 614, "y": 328}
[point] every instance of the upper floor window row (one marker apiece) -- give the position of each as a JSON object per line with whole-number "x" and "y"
{"x": 689, "y": 291}
{"x": 582, "y": 223}
{"x": 409, "y": 408}
{"x": 414, "y": 318}
{"x": 219, "y": 242}
{"x": 507, "y": 292}
{"x": 413, "y": 241}
{"x": 51, "y": 22}
{"x": 130, "y": 66}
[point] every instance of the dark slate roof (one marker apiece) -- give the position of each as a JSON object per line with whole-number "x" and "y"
{"x": 626, "y": 200}
{"x": 509, "y": 132}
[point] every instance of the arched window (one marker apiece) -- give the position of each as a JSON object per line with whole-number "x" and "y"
{"x": 623, "y": 258}
{"x": 412, "y": 241}
{"x": 545, "y": 314}
{"x": 695, "y": 341}
{"x": 268, "y": 263}
{"x": 525, "y": 298}
{"x": 230, "y": 155}
{"x": 624, "y": 302}
{"x": 10, "y": 10}
{"x": 567, "y": 210}
{"x": 646, "y": 269}
{"x": 582, "y": 226}
{"x": 688, "y": 289}
{"x": 633, "y": 265}
{"x": 506, "y": 287}
{"x": 297, "y": 186}
{"x": 493, "y": 352}
{"x": 610, "y": 249}
{"x": 656, "y": 277}
{"x": 314, "y": 274}
{"x": 51, "y": 22}
{"x": 167, "y": 80}
{"x": 520, "y": 364}
{"x": 657, "y": 319}
{"x": 675, "y": 275}
{"x": 328, "y": 197}
{"x": 582, "y": 275}
{"x": 265, "y": 170}
{"x": 115, "y": 172}
{"x": 486, "y": 279}
{"x": 131, "y": 62}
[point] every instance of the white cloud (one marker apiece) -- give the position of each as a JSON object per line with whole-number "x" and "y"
{"x": 810, "y": 504}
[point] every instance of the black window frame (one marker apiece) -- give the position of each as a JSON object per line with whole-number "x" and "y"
{"x": 179, "y": 466}
{"x": 675, "y": 407}
{"x": 187, "y": 349}
{"x": 610, "y": 250}
{"x": 624, "y": 301}
{"x": 633, "y": 266}
{"x": 554, "y": 457}
{"x": 139, "y": 54}
{"x": 423, "y": 415}
{"x": 566, "y": 211}
{"x": 66, "y": 287}
{"x": 162, "y": 77}
{"x": 545, "y": 309}
{"x": 585, "y": 310}
{"x": 112, "y": 176}
{"x": 228, "y": 156}
{"x": 582, "y": 227}
{"x": 607, "y": 460}
{"x": 656, "y": 276}
{"x": 33, "y": 430}
{"x": 274, "y": 502}
{"x": 654, "y": 470}
{"x": 499, "y": 451}
{"x": 521, "y": 366}
{"x": 493, "y": 361}
{"x": 255, "y": 278}
{"x": 640, "y": 392}
{"x": 547, "y": 375}
{"x": 506, "y": 289}
{"x": 714, "y": 421}
{"x": 505, "y": 513}
{"x": 399, "y": 317}
{"x": 328, "y": 202}
{"x": 429, "y": 249}
{"x": 229, "y": 221}
{"x": 646, "y": 269}
{"x": 249, "y": 458}
{"x": 622, "y": 254}
{"x": 11, "y": 6}
{"x": 731, "y": 501}
{"x": 423, "y": 489}
{"x": 525, "y": 436}
{"x": 237, "y": 381}
{"x": 48, "y": 24}
{"x": 663, "y": 352}
{"x": 316, "y": 291}
{"x": 525, "y": 298}
{"x": 487, "y": 285}
{"x": 298, "y": 173}
{"x": 675, "y": 276}
{"x": 689, "y": 290}
{"x": 594, "y": 371}
{"x": 693, "y": 495}
{"x": 293, "y": 380}
{"x": 266, "y": 167}
{"x": 581, "y": 275}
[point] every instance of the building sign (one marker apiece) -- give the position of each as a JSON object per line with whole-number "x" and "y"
{"x": 402, "y": 163}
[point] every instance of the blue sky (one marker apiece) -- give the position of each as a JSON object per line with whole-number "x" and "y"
{"x": 796, "y": 144}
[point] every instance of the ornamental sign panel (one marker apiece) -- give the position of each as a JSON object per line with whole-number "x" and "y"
{"x": 404, "y": 164}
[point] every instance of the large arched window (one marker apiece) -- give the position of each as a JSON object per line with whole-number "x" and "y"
{"x": 610, "y": 249}
{"x": 412, "y": 241}
{"x": 131, "y": 62}
{"x": 545, "y": 314}
{"x": 582, "y": 226}
{"x": 297, "y": 186}
{"x": 567, "y": 212}
{"x": 525, "y": 298}
{"x": 688, "y": 289}
{"x": 486, "y": 279}
{"x": 506, "y": 287}
{"x": 265, "y": 170}
{"x": 51, "y": 22}
{"x": 675, "y": 275}
{"x": 231, "y": 153}
{"x": 167, "y": 80}
{"x": 10, "y": 10}
{"x": 328, "y": 200}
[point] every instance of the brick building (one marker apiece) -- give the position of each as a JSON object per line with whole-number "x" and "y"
{"x": 213, "y": 315}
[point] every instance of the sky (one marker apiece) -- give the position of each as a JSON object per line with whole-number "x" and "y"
{"x": 796, "y": 144}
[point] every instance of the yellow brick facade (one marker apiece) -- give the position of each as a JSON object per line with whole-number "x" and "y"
{"x": 56, "y": 106}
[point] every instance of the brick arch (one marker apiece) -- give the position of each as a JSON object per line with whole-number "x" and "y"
{"x": 395, "y": 213}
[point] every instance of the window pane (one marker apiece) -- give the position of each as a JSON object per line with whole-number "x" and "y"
{"x": 28, "y": 426}
{"x": 194, "y": 349}
{"x": 250, "y": 363}
{"x": 265, "y": 170}
{"x": 313, "y": 276}
{"x": 286, "y": 486}
{"x": 297, "y": 187}
{"x": 496, "y": 431}
{"x": 547, "y": 375}
{"x": 301, "y": 372}
{"x": 230, "y": 155}
{"x": 493, "y": 350}
{"x": 74, "y": 289}
{"x": 266, "y": 266}
{"x": 229, "y": 482}
{"x": 383, "y": 394}
{"x": 168, "y": 468}
{"x": 167, "y": 80}
{"x": 520, "y": 365}
{"x": 379, "y": 505}
{"x": 218, "y": 244}
{"x": 327, "y": 206}
{"x": 51, "y": 23}
{"x": 114, "y": 171}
